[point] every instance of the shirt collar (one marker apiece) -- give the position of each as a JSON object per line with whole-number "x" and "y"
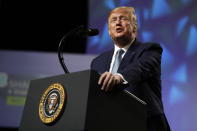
{"x": 116, "y": 48}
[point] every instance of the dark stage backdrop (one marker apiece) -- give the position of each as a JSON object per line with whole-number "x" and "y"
{"x": 173, "y": 24}
{"x": 30, "y": 32}
{"x": 39, "y": 25}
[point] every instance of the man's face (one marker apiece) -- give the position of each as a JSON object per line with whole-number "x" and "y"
{"x": 120, "y": 26}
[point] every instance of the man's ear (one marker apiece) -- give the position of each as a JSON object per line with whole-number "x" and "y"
{"x": 135, "y": 30}
{"x": 109, "y": 32}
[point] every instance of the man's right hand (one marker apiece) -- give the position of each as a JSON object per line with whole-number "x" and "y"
{"x": 109, "y": 80}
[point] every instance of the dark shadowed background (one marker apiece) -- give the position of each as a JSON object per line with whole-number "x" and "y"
{"x": 39, "y": 25}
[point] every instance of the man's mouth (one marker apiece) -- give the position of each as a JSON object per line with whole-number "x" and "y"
{"x": 118, "y": 30}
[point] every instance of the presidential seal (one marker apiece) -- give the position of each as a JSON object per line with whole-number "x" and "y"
{"x": 52, "y": 103}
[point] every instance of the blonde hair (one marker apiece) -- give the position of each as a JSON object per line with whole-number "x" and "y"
{"x": 132, "y": 15}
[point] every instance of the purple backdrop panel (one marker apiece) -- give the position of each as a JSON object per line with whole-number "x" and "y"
{"x": 17, "y": 68}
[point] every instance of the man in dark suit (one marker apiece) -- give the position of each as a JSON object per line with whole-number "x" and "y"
{"x": 134, "y": 64}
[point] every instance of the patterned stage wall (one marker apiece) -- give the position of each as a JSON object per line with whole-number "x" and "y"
{"x": 173, "y": 24}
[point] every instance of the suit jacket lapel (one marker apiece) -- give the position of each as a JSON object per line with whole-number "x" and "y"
{"x": 129, "y": 55}
{"x": 108, "y": 60}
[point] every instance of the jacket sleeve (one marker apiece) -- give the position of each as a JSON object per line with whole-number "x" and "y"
{"x": 147, "y": 65}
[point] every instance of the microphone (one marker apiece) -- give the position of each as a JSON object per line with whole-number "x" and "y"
{"x": 92, "y": 32}
{"x": 88, "y": 31}
{"x": 80, "y": 31}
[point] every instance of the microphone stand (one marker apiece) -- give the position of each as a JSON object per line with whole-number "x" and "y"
{"x": 60, "y": 47}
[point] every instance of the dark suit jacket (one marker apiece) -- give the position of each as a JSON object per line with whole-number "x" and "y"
{"x": 141, "y": 67}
